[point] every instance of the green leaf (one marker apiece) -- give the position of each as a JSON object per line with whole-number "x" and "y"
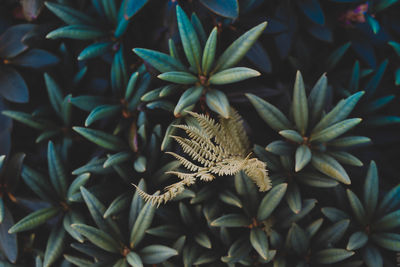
{"x": 136, "y": 204}
{"x": 28, "y": 119}
{"x": 331, "y": 255}
{"x": 293, "y": 198}
{"x": 390, "y": 200}
{"x": 102, "y": 112}
{"x": 281, "y": 148}
{"x": 131, "y": 7}
{"x": 141, "y": 224}
{"x": 395, "y": 45}
{"x": 300, "y": 105}
{"x": 371, "y": 189}
{"x": 383, "y": 4}
{"x": 378, "y": 103}
{"x": 372, "y": 256}
{"x": 230, "y": 198}
{"x": 238, "y": 49}
{"x": 88, "y": 103}
{"x": 95, "y": 50}
{"x": 209, "y": 52}
{"x": 2, "y": 209}
{"x": 203, "y": 240}
{"x": 101, "y": 138}
{"x": 151, "y": 95}
{"x": 70, "y": 218}
{"x": 190, "y": 40}
{"x": 188, "y": 98}
{"x": 57, "y": 171}
{"x": 357, "y": 207}
{"x": 388, "y": 222}
{"x": 389, "y": 241}
{"x": 55, "y": 246}
{"x": 224, "y": 8}
{"x": 287, "y": 217}
{"x": 270, "y": 114}
{"x": 334, "y": 131}
{"x": 233, "y": 75}
{"x": 357, "y": 240}
{"x": 130, "y": 88}
{"x": 259, "y": 241}
{"x": 292, "y": 135}
{"x": 350, "y": 141}
{"x": 179, "y": 77}
{"x": 355, "y": 77}
{"x": 77, "y": 183}
{"x": 336, "y": 55}
{"x": 329, "y": 166}
{"x": 247, "y": 190}
{"x": 134, "y": 259}
{"x": 373, "y": 23}
{"x": 98, "y": 237}
{"x": 199, "y": 29}
{"x": 78, "y": 32}
{"x": 80, "y": 262}
{"x": 303, "y": 157}
{"x": 332, "y": 234}
{"x": 334, "y": 214}
{"x": 313, "y": 227}
{"x": 317, "y": 98}
{"x": 117, "y": 158}
{"x": 140, "y": 164}
{"x": 231, "y": 220}
{"x": 69, "y": 15}
{"x": 346, "y": 158}
{"x": 55, "y": 93}
{"x": 316, "y": 180}
{"x": 271, "y": 201}
{"x": 217, "y": 101}
{"x": 142, "y": 87}
{"x": 339, "y": 112}
{"x": 155, "y": 254}
{"x": 119, "y": 204}
{"x": 9, "y": 242}
{"x": 373, "y": 83}
{"x": 34, "y": 219}
{"x": 162, "y": 62}
{"x": 38, "y": 183}
{"x": 298, "y": 239}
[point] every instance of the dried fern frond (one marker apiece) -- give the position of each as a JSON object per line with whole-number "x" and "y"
{"x": 219, "y": 149}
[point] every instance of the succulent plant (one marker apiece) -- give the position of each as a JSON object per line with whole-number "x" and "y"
{"x": 205, "y": 71}
{"x": 375, "y": 222}
{"x": 312, "y": 136}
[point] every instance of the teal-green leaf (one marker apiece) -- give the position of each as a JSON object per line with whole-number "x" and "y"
{"x": 233, "y": 75}
{"x": 279, "y": 147}
{"x": 390, "y": 200}
{"x": 270, "y": 114}
{"x": 117, "y": 158}
{"x": 373, "y": 23}
{"x": 334, "y": 131}
{"x": 209, "y": 52}
{"x": 70, "y": 218}
{"x": 383, "y": 4}
{"x": 131, "y": 86}
{"x": 303, "y": 157}
{"x": 336, "y": 55}
{"x": 95, "y": 50}
{"x": 38, "y": 183}
{"x": 231, "y": 220}
{"x": 28, "y": 119}
{"x": 339, "y": 112}
{"x": 293, "y": 197}
{"x": 313, "y": 227}
{"x": 271, "y": 201}
{"x": 140, "y": 164}
{"x": 396, "y": 46}
{"x": 389, "y": 241}
{"x": 162, "y": 62}
{"x": 77, "y": 183}
{"x": 190, "y": 40}
{"x": 259, "y": 241}
{"x": 217, "y": 101}
{"x": 152, "y": 95}
{"x": 331, "y": 255}
{"x": 316, "y": 179}
{"x": 346, "y": 158}
{"x": 141, "y": 224}
{"x": 102, "y": 112}
{"x": 298, "y": 239}
{"x": 317, "y": 98}
{"x": 88, "y": 102}
{"x": 300, "y": 104}
{"x": 55, "y": 245}
{"x": 9, "y": 242}
{"x": 350, "y": 141}
{"x": 34, "y": 219}
{"x": 357, "y": 207}
{"x": 134, "y": 259}
{"x": 119, "y": 204}
{"x": 98, "y": 237}
{"x": 238, "y": 49}
{"x": 101, "y": 138}
{"x": 79, "y": 32}
{"x": 357, "y": 240}
{"x": 154, "y": 254}
{"x": 203, "y": 240}
{"x": 180, "y": 77}
{"x": 55, "y": 93}
{"x": 173, "y": 52}
{"x": 230, "y": 198}
{"x": 69, "y": 15}
{"x": 334, "y": 214}
{"x": 292, "y": 135}
{"x": 372, "y": 256}
{"x": 373, "y": 83}
{"x": 57, "y": 171}
{"x": 388, "y": 222}
{"x": 329, "y": 166}
{"x": 371, "y": 189}
{"x": 198, "y": 26}
{"x": 332, "y": 234}
{"x": 188, "y": 98}
{"x": 355, "y": 77}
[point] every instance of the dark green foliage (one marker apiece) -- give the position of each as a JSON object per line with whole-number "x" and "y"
{"x": 93, "y": 92}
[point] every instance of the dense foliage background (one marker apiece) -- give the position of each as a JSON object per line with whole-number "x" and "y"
{"x": 87, "y": 107}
